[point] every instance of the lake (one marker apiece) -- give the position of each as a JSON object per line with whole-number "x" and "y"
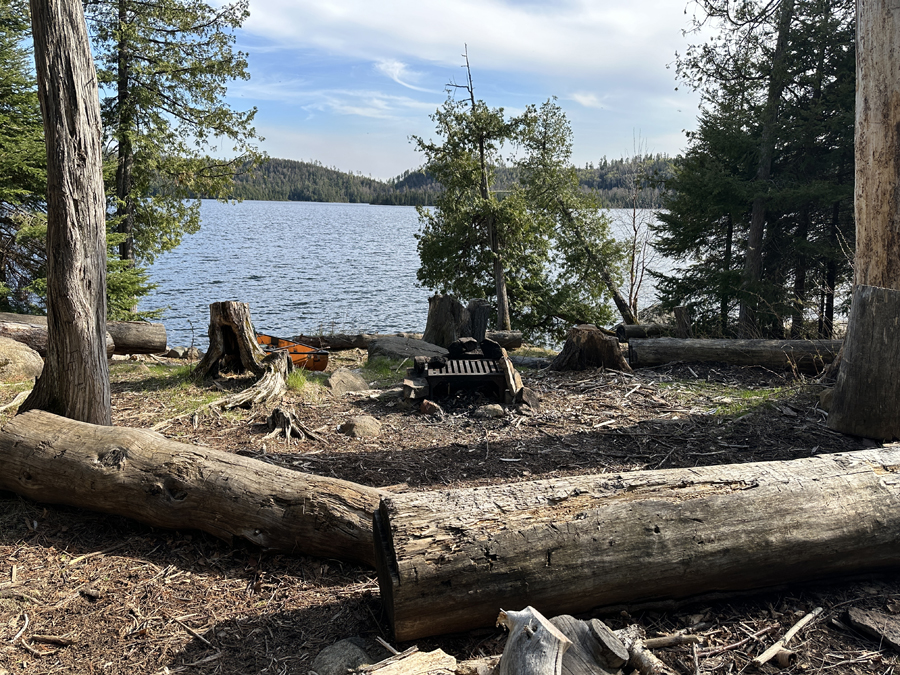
{"x": 303, "y": 267}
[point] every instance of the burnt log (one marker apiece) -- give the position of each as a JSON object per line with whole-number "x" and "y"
{"x": 868, "y": 383}
{"x": 123, "y": 337}
{"x": 140, "y": 474}
{"x": 588, "y": 347}
{"x": 448, "y": 559}
{"x": 806, "y": 356}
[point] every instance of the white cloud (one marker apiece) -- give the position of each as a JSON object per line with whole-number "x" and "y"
{"x": 587, "y": 99}
{"x": 400, "y": 74}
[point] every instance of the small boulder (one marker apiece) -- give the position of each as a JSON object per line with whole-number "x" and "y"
{"x": 492, "y": 350}
{"x": 344, "y": 381}
{"x": 361, "y": 426}
{"x": 176, "y": 353}
{"x": 18, "y": 361}
{"x": 463, "y": 348}
{"x": 342, "y": 657}
{"x": 403, "y": 348}
{"x": 529, "y": 397}
{"x": 490, "y": 411}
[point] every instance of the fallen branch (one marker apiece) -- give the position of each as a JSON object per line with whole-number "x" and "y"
{"x": 640, "y": 657}
{"x": 782, "y": 643}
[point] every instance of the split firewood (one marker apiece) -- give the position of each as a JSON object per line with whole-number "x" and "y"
{"x": 641, "y": 658}
{"x": 534, "y": 646}
{"x": 486, "y": 665}
{"x": 770, "y": 653}
{"x": 413, "y": 662}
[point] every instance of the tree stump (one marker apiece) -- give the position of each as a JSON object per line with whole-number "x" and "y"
{"x": 447, "y": 320}
{"x": 480, "y": 312}
{"x": 587, "y": 347}
{"x": 868, "y": 383}
{"x": 534, "y": 646}
{"x": 232, "y": 342}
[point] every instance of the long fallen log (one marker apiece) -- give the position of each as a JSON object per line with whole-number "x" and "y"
{"x": 339, "y": 341}
{"x": 123, "y": 337}
{"x": 141, "y": 475}
{"x": 807, "y": 356}
{"x": 448, "y": 559}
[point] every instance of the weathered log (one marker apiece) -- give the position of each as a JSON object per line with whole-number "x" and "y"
{"x": 232, "y": 342}
{"x": 123, "y": 337}
{"x": 587, "y": 347}
{"x": 868, "y": 384}
{"x": 448, "y": 559}
{"x": 807, "y": 356}
{"x": 139, "y": 474}
{"x": 508, "y": 339}
{"x": 627, "y": 332}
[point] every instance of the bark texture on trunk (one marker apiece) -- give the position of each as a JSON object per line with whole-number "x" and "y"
{"x": 807, "y": 356}
{"x": 448, "y": 559}
{"x": 75, "y": 380}
{"x": 232, "y": 342}
{"x": 867, "y": 391}
{"x": 139, "y": 474}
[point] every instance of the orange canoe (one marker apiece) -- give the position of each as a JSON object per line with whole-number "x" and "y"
{"x": 302, "y": 355}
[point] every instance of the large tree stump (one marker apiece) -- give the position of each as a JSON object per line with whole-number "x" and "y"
{"x": 480, "y": 312}
{"x": 867, "y": 393}
{"x": 807, "y": 356}
{"x": 447, "y": 320}
{"x": 587, "y": 347}
{"x": 448, "y": 559}
{"x": 232, "y": 342}
{"x": 139, "y": 474}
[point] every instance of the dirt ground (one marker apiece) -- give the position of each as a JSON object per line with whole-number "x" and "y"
{"x": 82, "y": 592}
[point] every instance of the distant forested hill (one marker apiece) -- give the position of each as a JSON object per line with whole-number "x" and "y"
{"x": 618, "y": 182}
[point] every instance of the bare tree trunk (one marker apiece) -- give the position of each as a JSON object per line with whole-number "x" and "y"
{"x": 75, "y": 380}
{"x": 753, "y": 261}
{"x": 125, "y": 166}
{"x": 866, "y": 391}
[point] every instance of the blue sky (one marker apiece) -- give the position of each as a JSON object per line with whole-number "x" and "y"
{"x": 346, "y": 82}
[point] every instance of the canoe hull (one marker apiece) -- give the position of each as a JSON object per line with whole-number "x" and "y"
{"x": 303, "y": 356}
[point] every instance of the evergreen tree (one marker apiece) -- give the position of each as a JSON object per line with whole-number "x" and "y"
{"x": 538, "y": 238}
{"x": 163, "y": 67}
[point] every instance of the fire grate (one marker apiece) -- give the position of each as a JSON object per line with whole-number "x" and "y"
{"x": 466, "y": 373}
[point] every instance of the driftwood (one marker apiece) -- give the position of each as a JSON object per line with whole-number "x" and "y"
{"x": 868, "y": 383}
{"x": 807, "y": 356}
{"x": 587, "y": 347}
{"x": 448, "y": 559}
{"x": 123, "y": 337}
{"x": 139, "y": 474}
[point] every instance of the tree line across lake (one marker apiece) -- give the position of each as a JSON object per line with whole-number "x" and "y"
{"x": 619, "y": 183}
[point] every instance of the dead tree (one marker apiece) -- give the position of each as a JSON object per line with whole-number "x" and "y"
{"x": 139, "y": 474}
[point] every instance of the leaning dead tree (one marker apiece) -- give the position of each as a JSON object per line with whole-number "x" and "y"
{"x": 448, "y": 559}
{"x": 139, "y": 474}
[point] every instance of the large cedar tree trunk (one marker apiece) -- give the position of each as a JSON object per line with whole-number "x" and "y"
{"x": 75, "y": 380}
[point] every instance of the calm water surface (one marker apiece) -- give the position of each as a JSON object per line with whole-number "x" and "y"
{"x": 302, "y": 267}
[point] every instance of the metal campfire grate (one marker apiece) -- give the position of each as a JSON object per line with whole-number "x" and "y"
{"x": 467, "y": 373}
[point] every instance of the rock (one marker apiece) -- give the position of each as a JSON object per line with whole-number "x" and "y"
{"x": 530, "y": 398}
{"x": 344, "y": 381}
{"x": 415, "y": 387}
{"x": 193, "y": 354}
{"x": 361, "y": 426}
{"x": 492, "y": 350}
{"x": 18, "y": 361}
{"x": 403, "y": 348}
{"x": 462, "y": 347}
{"x": 430, "y": 408}
{"x": 341, "y": 657}
{"x": 176, "y": 353}
{"x": 491, "y": 411}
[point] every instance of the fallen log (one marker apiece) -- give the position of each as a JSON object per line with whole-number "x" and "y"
{"x": 447, "y": 559}
{"x": 123, "y": 337}
{"x": 807, "y": 356}
{"x": 139, "y": 474}
{"x": 508, "y": 339}
{"x": 626, "y": 332}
